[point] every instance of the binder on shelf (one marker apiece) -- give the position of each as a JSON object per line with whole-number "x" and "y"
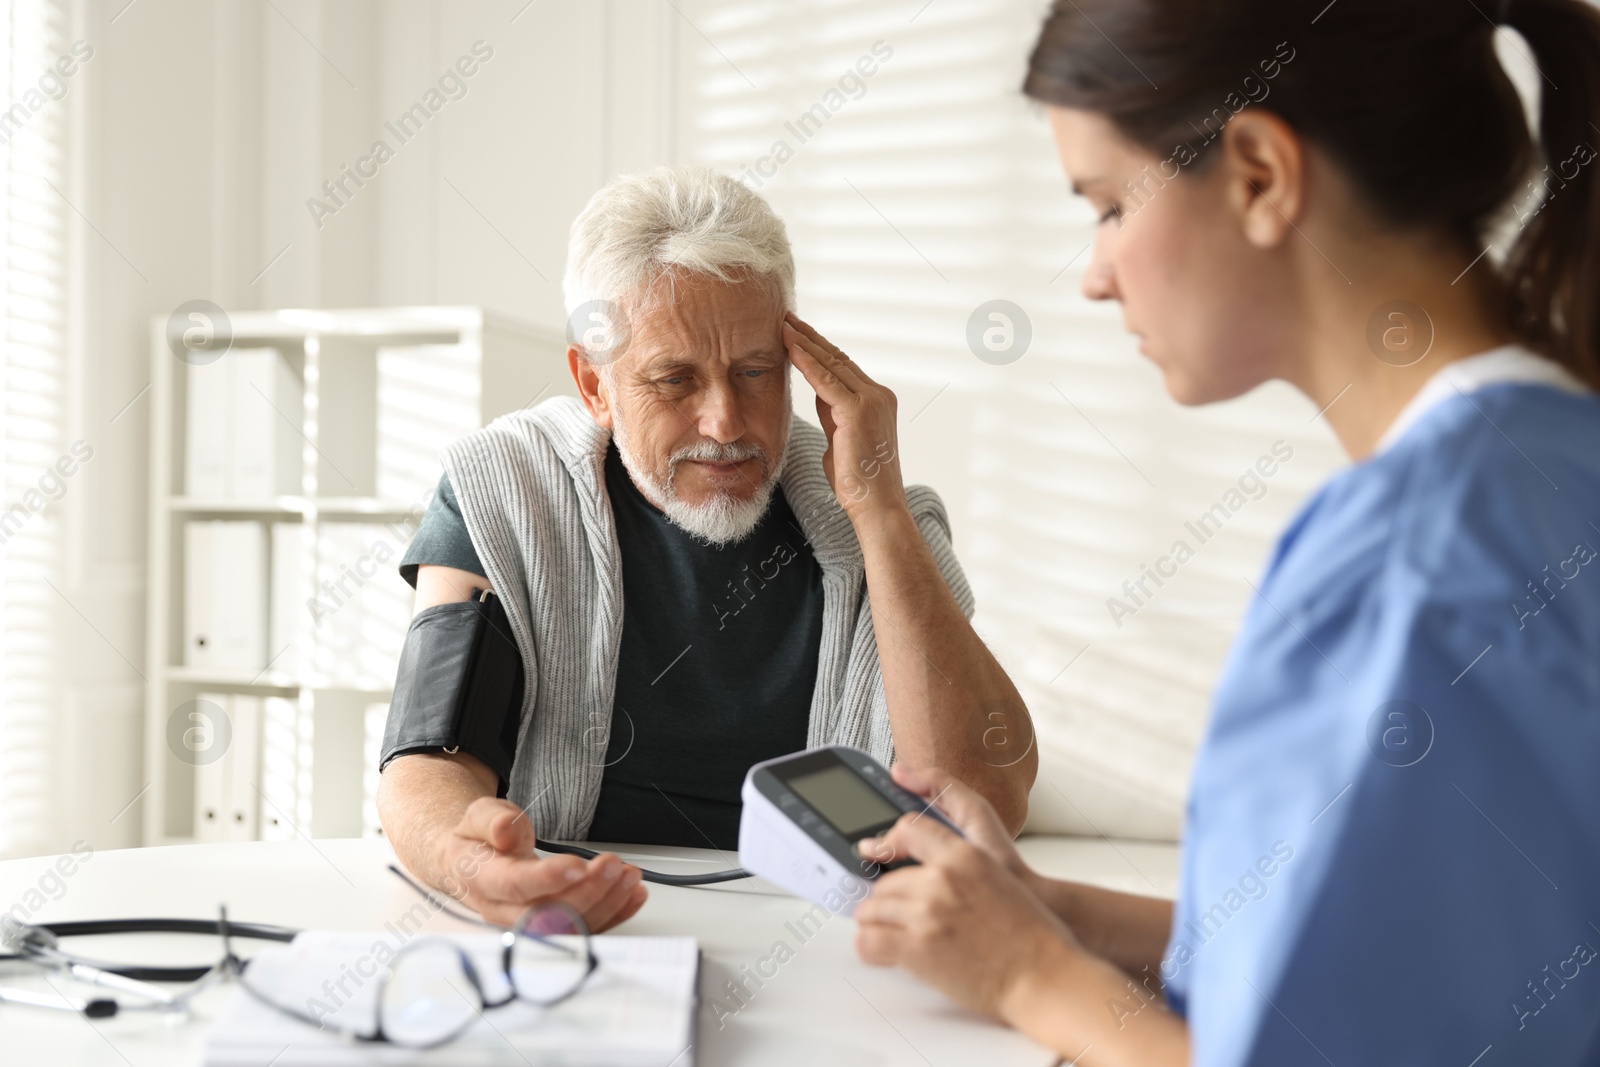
{"x": 285, "y": 769}
{"x": 287, "y": 611}
{"x": 376, "y": 717}
{"x": 210, "y": 770}
{"x": 224, "y": 595}
{"x": 243, "y": 774}
{"x": 245, "y": 413}
{"x": 226, "y": 801}
{"x": 267, "y": 417}
{"x": 206, "y": 451}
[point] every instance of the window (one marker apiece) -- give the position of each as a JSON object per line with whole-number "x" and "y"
{"x": 918, "y": 192}
{"x": 33, "y": 235}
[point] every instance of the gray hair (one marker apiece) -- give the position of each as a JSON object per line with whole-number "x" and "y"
{"x": 640, "y": 228}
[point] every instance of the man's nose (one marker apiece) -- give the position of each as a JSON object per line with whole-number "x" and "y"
{"x": 720, "y": 417}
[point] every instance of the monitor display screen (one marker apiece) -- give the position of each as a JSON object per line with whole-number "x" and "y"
{"x": 848, "y": 803}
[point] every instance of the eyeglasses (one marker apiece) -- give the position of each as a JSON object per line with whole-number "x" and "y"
{"x": 431, "y": 990}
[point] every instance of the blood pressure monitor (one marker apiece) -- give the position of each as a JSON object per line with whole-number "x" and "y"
{"x": 804, "y": 813}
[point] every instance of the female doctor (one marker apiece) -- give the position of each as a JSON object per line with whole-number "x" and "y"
{"x": 1392, "y": 842}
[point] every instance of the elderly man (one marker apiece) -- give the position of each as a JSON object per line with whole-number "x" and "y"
{"x": 695, "y": 578}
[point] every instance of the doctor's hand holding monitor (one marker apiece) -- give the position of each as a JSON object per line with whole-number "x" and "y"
{"x": 1391, "y": 851}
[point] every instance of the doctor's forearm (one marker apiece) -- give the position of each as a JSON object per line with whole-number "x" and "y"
{"x": 950, "y": 702}
{"x": 1126, "y": 929}
{"x": 1090, "y": 1012}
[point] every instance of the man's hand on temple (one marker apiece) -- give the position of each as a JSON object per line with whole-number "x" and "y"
{"x": 858, "y": 416}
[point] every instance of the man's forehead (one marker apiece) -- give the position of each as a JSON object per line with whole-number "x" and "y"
{"x": 738, "y": 322}
{"x": 692, "y": 319}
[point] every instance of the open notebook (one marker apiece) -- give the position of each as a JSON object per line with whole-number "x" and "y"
{"x": 638, "y": 1008}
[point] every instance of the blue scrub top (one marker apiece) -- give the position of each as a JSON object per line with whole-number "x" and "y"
{"x": 1392, "y": 843}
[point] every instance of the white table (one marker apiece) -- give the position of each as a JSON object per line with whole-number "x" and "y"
{"x": 822, "y": 1006}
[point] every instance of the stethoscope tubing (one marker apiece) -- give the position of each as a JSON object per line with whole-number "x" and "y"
{"x": 732, "y": 874}
{"x": 92, "y": 927}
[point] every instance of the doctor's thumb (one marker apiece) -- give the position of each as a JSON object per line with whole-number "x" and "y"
{"x": 942, "y": 790}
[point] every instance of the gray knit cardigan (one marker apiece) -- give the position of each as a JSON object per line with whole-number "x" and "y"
{"x": 531, "y": 487}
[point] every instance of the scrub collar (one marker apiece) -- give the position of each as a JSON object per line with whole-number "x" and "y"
{"x": 1508, "y": 363}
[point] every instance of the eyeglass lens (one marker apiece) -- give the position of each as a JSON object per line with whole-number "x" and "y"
{"x": 430, "y": 995}
{"x": 549, "y": 958}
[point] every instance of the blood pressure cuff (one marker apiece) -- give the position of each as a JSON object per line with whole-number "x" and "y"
{"x": 459, "y": 687}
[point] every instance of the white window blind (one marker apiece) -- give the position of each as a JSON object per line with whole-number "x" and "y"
{"x": 33, "y": 227}
{"x": 914, "y": 195}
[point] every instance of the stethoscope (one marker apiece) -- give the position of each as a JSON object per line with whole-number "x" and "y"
{"x": 39, "y": 945}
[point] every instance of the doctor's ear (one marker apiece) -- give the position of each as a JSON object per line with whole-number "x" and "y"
{"x": 1264, "y": 168}
{"x": 593, "y": 388}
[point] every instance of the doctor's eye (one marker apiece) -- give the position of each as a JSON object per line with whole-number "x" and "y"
{"x": 1113, "y": 212}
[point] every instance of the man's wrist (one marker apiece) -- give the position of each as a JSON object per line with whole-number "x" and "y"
{"x": 884, "y": 524}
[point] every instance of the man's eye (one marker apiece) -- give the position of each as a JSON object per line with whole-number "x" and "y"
{"x": 676, "y": 380}
{"x": 755, "y": 372}
{"x": 1113, "y": 212}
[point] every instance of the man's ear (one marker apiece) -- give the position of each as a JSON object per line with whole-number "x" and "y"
{"x": 1266, "y": 175}
{"x": 590, "y": 387}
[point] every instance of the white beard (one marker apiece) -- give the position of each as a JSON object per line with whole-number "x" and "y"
{"x": 724, "y": 519}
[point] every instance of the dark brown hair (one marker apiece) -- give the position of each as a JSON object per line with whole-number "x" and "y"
{"x": 1408, "y": 98}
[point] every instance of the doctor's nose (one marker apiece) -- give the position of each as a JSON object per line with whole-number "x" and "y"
{"x": 1100, "y": 281}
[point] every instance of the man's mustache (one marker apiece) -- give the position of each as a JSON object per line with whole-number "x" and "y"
{"x": 717, "y": 452}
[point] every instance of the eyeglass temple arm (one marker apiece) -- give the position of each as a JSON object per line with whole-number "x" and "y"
{"x": 479, "y": 921}
{"x": 441, "y": 905}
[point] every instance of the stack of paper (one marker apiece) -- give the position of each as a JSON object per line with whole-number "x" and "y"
{"x": 638, "y": 1007}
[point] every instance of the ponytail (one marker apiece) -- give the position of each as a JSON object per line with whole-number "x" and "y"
{"x": 1552, "y": 273}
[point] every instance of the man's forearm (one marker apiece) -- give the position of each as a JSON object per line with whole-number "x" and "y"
{"x": 951, "y": 704}
{"x": 423, "y": 796}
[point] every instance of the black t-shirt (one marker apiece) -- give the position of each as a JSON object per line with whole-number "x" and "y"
{"x": 716, "y": 668}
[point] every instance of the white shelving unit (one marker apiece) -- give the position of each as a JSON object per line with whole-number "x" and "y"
{"x": 367, "y": 461}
